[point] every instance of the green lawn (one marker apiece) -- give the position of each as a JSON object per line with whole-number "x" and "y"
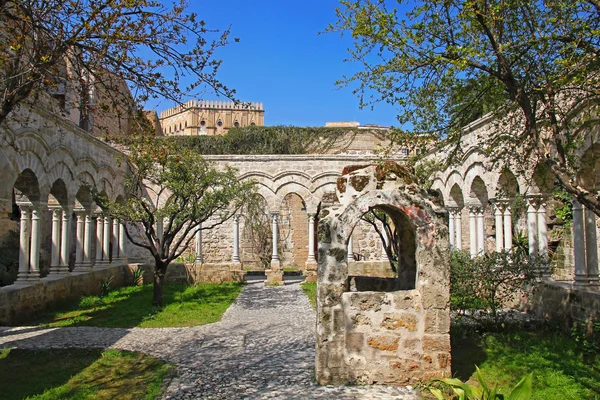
{"x": 560, "y": 370}
{"x": 80, "y": 374}
{"x": 311, "y": 292}
{"x": 131, "y": 306}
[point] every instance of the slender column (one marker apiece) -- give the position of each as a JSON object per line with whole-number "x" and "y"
{"x": 122, "y": 242}
{"x": 275, "y": 255}
{"x": 199, "y": 259}
{"x": 458, "y": 219}
{"x": 55, "y": 249}
{"x": 64, "y": 242}
{"x": 542, "y": 230}
{"x": 24, "y": 238}
{"x": 34, "y": 258}
{"x": 579, "y": 244}
{"x": 236, "y": 239}
{"x": 451, "y": 224}
{"x": 79, "y": 237}
{"x": 591, "y": 247}
{"x": 106, "y": 241}
{"x": 115, "y": 239}
{"x": 499, "y": 227}
{"x": 507, "y": 228}
{"x": 473, "y": 231}
{"x": 480, "y": 232}
{"x": 87, "y": 242}
{"x": 99, "y": 239}
{"x": 350, "y": 257}
{"x": 532, "y": 226}
{"x": 311, "y": 239}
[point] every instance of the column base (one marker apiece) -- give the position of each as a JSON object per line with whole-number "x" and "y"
{"x": 59, "y": 270}
{"x": 33, "y": 276}
{"x": 311, "y": 265}
{"x": 83, "y": 268}
{"x": 310, "y": 276}
{"x": 274, "y": 278}
{"x": 276, "y": 265}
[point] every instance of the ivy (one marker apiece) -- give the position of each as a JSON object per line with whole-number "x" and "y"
{"x": 269, "y": 140}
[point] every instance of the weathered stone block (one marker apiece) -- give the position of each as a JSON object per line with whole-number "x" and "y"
{"x": 384, "y": 343}
{"x": 436, "y": 343}
{"x": 355, "y": 341}
{"x": 400, "y": 320}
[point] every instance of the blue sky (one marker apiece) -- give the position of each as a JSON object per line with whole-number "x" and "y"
{"x": 282, "y": 61}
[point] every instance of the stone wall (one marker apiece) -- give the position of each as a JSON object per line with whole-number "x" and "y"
{"x": 17, "y": 302}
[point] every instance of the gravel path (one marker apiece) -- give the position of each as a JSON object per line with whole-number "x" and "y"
{"x": 262, "y": 349}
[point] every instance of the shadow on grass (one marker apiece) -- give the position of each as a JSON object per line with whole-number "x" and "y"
{"x": 25, "y": 373}
{"x": 130, "y": 307}
{"x": 559, "y": 367}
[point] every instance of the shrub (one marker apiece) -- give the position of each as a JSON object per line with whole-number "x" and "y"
{"x": 490, "y": 282}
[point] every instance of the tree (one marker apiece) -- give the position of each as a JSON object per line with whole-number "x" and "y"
{"x": 47, "y": 45}
{"x": 389, "y": 235}
{"x": 536, "y": 62}
{"x": 172, "y": 193}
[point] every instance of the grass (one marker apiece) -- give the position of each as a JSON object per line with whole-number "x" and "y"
{"x": 131, "y": 306}
{"x": 560, "y": 368}
{"x": 80, "y": 374}
{"x": 311, "y": 292}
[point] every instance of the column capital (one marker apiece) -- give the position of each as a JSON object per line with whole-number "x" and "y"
{"x": 236, "y": 218}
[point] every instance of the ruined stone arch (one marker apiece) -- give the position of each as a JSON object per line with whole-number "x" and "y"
{"x": 375, "y": 350}
{"x": 507, "y": 185}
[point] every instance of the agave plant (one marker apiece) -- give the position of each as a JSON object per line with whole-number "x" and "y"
{"x": 465, "y": 391}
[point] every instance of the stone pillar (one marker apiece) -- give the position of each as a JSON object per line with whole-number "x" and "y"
{"x": 591, "y": 247}
{"x": 507, "y": 228}
{"x": 458, "y": 219}
{"x": 274, "y": 273}
{"x": 56, "y": 235}
{"x": 115, "y": 240}
{"x": 451, "y": 225}
{"x": 87, "y": 242}
{"x": 499, "y": 227}
{"x": 106, "y": 242}
{"x": 99, "y": 239}
{"x": 311, "y": 240}
{"x": 542, "y": 230}
{"x": 36, "y": 236}
{"x": 199, "y": 259}
{"x": 532, "y": 225}
{"x": 79, "y": 239}
{"x": 480, "y": 231}
{"x": 122, "y": 242}
{"x": 579, "y": 244}
{"x": 24, "y": 241}
{"x": 65, "y": 242}
{"x": 473, "y": 231}
{"x": 350, "y": 257}
{"x": 275, "y": 263}
{"x": 236, "y": 239}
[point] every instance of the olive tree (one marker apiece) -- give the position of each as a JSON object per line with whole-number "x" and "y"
{"x": 172, "y": 193}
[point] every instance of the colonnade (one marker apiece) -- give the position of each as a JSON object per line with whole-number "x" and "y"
{"x": 584, "y": 233}
{"x": 107, "y": 232}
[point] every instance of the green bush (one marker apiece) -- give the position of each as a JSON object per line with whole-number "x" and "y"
{"x": 490, "y": 282}
{"x": 9, "y": 258}
{"x": 265, "y": 140}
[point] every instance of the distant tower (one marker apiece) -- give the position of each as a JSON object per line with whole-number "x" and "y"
{"x": 209, "y": 117}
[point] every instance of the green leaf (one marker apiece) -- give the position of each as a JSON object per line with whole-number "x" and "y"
{"x": 523, "y": 389}
{"x": 437, "y": 393}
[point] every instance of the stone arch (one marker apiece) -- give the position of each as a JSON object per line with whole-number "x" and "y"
{"x": 455, "y": 196}
{"x": 83, "y": 198}
{"x": 507, "y": 186}
{"x": 588, "y": 174}
{"x": 59, "y": 194}
{"x": 30, "y": 161}
{"x": 340, "y": 338}
{"x": 478, "y": 192}
{"x": 27, "y": 187}
{"x": 542, "y": 180}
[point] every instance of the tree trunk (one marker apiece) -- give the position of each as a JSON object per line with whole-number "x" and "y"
{"x": 160, "y": 269}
